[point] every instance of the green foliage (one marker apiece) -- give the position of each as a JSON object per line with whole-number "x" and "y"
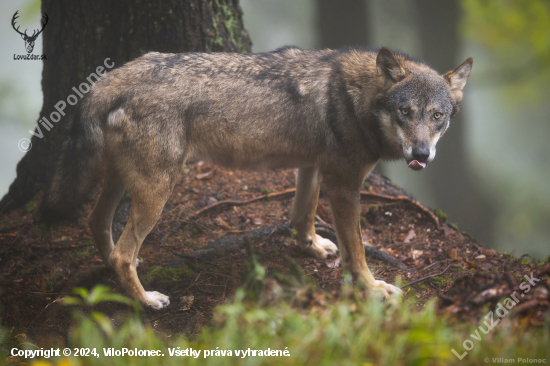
{"x": 508, "y": 24}
{"x": 347, "y": 332}
{"x": 517, "y": 33}
{"x": 98, "y": 295}
{"x": 350, "y": 330}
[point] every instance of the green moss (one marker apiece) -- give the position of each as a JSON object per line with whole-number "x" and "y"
{"x": 167, "y": 274}
{"x": 229, "y": 20}
{"x": 363, "y": 220}
{"x": 31, "y": 205}
{"x": 441, "y": 215}
{"x": 440, "y": 281}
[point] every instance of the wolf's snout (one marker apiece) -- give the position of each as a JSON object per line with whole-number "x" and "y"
{"x": 421, "y": 154}
{"x": 419, "y": 158}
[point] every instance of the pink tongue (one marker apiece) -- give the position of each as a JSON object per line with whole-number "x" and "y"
{"x": 416, "y": 165}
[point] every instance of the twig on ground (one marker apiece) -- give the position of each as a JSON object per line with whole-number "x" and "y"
{"x": 427, "y": 211}
{"x": 232, "y": 203}
{"x": 229, "y": 203}
{"x": 318, "y": 218}
{"x": 192, "y": 283}
{"x": 425, "y": 278}
{"x": 47, "y": 306}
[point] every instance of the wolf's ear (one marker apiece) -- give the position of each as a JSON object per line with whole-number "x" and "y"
{"x": 389, "y": 67}
{"x": 457, "y": 80}
{"x": 457, "y": 77}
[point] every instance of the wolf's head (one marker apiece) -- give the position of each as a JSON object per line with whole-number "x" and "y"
{"x": 415, "y": 104}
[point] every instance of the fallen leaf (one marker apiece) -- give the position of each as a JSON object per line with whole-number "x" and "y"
{"x": 488, "y": 252}
{"x": 416, "y": 253}
{"x": 186, "y": 302}
{"x": 211, "y": 200}
{"x": 481, "y": 256}
{"x": 453, "y": 254}
{"x": 209, "y": 174}
{"x": 410, "y": 236}
{"x": 223, "y": 224}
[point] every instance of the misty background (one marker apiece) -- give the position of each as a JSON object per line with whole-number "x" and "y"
{"x": 492, "y": 168}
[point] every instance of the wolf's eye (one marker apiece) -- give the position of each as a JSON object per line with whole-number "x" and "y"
{"x": 405, "y": 111}
{"x": 437, "y": 115}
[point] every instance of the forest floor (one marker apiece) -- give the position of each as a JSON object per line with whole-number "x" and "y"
{"x": 195, "y": 255}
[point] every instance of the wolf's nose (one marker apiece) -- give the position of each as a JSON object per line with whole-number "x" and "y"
{"x": 421, "y": 154}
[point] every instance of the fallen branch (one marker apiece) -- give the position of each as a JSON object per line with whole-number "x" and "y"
{"x": 427, "y": 211}
{"x": 228, "y": 203}
{"x": 370, "y": 252}
{"x": 233, "y": 243}
{"x": 232, "y": 203}
{"x": 425, "y": 278}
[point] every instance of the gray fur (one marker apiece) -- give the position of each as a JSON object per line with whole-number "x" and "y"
{"x": 332, "y": 114}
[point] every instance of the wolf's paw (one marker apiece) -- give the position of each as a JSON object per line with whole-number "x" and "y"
{"x": 156, "y": 300}
{"x": 321, "y": 248}
{"x": 385, "y": 290}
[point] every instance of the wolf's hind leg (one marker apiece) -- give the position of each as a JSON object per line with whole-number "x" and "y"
{"x": 101, "y": 218}
{"x": 148, "y": 199}
{"x": 303, "y": 215}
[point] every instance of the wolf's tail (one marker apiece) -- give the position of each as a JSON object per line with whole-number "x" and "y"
{"x": 77, "y": 171}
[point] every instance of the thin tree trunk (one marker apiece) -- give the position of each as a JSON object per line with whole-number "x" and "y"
{"x": 82, "y": 34}
{"x": 342, "y": 23}
{"x": 450, "y": 177}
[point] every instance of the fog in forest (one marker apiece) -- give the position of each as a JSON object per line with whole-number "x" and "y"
{"x": 491, "y": 172}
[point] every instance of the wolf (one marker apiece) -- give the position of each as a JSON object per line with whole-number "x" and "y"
{"x": 332, "y": 114}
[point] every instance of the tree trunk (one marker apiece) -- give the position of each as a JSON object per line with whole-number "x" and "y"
{"x": 450, "y": 177}
{"x": 82, "y": 34}
{"x": 342, "y": 23}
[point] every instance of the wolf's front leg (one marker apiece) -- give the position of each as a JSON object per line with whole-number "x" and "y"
{"x": 303, "y": 215}
{"x": 345, "y": 215}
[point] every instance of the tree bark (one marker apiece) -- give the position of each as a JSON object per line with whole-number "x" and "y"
{"x": 82, "y": 34}
{"x": 450, "y": 177}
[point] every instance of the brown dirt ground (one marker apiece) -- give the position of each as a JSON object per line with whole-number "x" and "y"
{"x": 37, "y": 269}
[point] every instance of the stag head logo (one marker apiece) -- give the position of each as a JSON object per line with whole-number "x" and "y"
{"x": 29, "y": 40}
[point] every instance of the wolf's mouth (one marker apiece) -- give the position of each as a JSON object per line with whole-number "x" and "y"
{"x": 416, "y": 165}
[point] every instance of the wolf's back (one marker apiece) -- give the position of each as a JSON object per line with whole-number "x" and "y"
{"x": 77, "y": 170}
